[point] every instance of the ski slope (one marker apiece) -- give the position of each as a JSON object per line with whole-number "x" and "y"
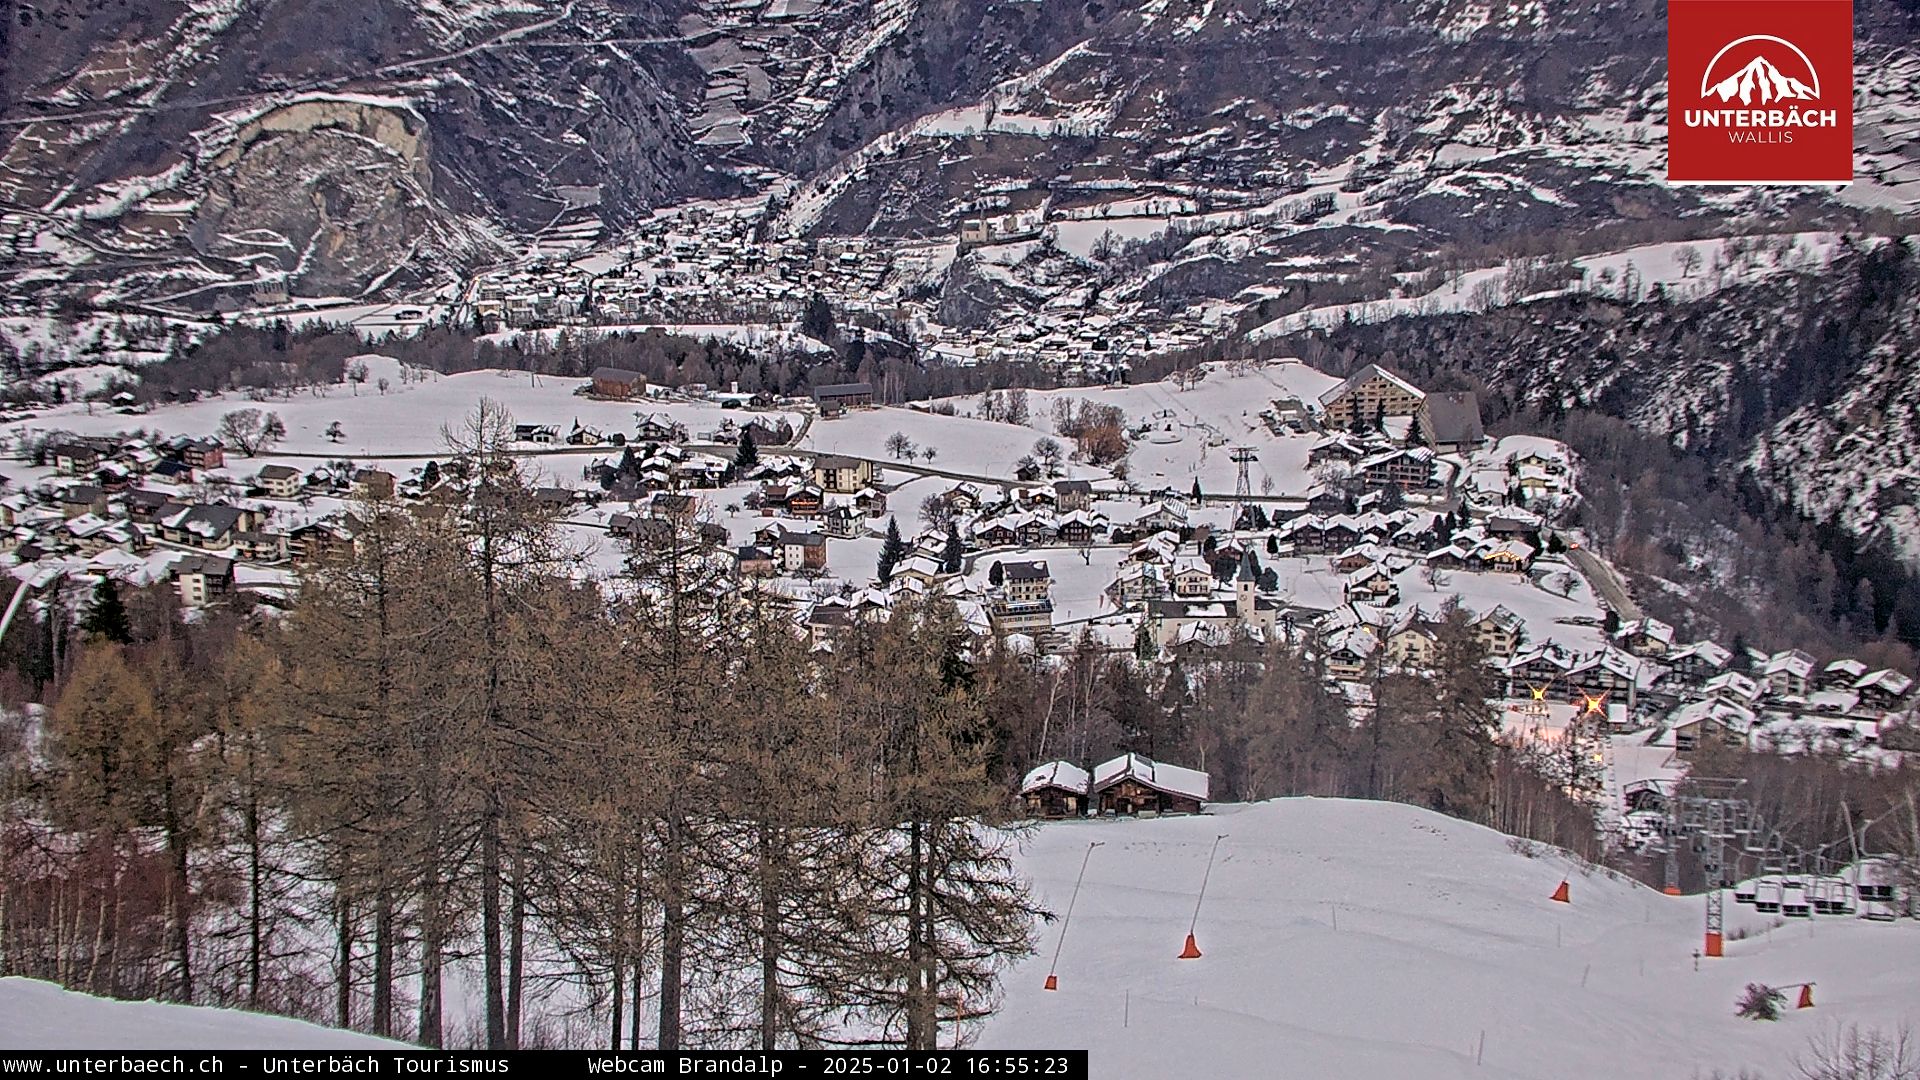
{"x": 1444, "y": 933}
{"x": 1342, "y": 940}
{"x": 37, "y": 1015}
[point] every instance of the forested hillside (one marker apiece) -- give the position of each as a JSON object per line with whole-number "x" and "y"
{"x": 1749, "y": 453}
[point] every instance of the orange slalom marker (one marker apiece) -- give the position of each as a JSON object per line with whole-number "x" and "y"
{"x": 1560, "y": 893}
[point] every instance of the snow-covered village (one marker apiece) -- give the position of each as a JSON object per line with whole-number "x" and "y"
{"x": 971, "y": 537}
{"x": 1178, "y": 536}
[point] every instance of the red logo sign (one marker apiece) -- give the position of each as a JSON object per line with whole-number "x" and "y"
{"x": 1759, "y": 91}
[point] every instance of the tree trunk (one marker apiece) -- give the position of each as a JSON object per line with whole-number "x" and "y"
{"x": 619, "y": 941}
{"x": 920, "y": 1006}
{"x": 383, "y": 946}
{"x": 432, "y": 958}
{"x": 769, "y": 943}
{"x": 516, "y": 959}
{"x": 490, "y": 928}
{"x": 180, "y": 887}
{"x": 343, "y": 960}
{"x": 491, "y": 734}
{"x": 256, "y": 923}
{"x": 672, "y": 937}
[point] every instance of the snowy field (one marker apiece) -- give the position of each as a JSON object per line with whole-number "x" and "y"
{"x": 38, "y": 1015}
{"x": 1193, "y": 430}
{"x": 406, "y": 419}
{"x": 1445, "y": 936}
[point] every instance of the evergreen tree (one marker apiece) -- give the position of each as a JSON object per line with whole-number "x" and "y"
{"x": 892, "y": 550}
{"x": 818, "y": 321}
{"x": 953, "y": 558}
{"x": 1144, "y": 649}
{"x": 996, "y": 574}
{"x": 1460, "y": 723}
{"x": 106, "y": 614}
{"x": 1196, "y": 491}
{"x": 749, "y": 454}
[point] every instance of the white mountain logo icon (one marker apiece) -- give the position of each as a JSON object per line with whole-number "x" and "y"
{"x": 1760, "y": 80}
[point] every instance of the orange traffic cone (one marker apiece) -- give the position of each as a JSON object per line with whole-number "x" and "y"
{"x": 1192, "y": 951}
{"x": 1806, "y": 996}
{"x": 1560, "y": 893}
{"x": 1714, "y": 945}
{"x": 1053, "y": 981}
{"x": 1671, "y": 890}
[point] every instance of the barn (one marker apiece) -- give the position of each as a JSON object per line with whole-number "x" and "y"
{"x": 838, "y": 397}
{"x": 618, "y": 383}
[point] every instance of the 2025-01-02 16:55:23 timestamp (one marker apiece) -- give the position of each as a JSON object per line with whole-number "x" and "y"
{"x": 1067, "y": 1066}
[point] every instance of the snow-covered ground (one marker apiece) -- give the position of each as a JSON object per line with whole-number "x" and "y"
{"x": 1193, "y": 430}
{"x": 1341, "y": 940}
{"x": 407, "y": 417}
{"x": 1371, "y": 941}
{"x": 38, "y": 1015}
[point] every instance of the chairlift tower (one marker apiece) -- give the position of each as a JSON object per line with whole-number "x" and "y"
{"x": 1243, "y": 456}
{"x": 1709, "y": 820}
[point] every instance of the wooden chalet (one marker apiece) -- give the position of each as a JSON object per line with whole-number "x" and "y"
{"x": 1135, "y": 784}
{"x": 1057, "y": 789}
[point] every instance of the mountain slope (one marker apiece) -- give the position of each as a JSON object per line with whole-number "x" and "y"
{"x": 147, "y": 143}
{"x": 1444, "y": 932}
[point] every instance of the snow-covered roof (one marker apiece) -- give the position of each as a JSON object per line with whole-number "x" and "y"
{"x": 1712, "y": 654}
{"x": 1791, "y": 661}
{"x": 1734, "y": 684}
{"x": 1887, "y": 679}
{"x": 1060, "y": 774}
{"x": 1170, "y": 779}
{"x": 1364, "y": 375}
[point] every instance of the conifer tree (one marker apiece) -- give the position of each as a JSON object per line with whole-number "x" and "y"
{"x": 106, "y": 614}
{"x": 953, "y": 558}
{"x": 892, "y": 551}
{"x": 748, "y": 455}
